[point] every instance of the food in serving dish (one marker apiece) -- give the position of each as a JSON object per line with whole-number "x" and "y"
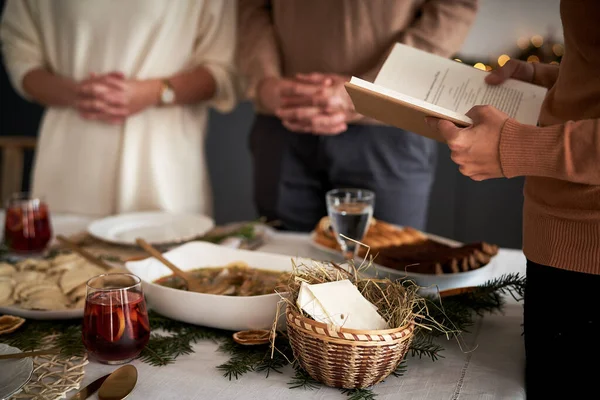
{"x": 432, "y": 257}
{"x": 235, "y": 279}
{"x": 235, "y": 313}
{"x": 408, "y": 250}
{"x": 379, "y": 234}
{"x": 56, "y": 283}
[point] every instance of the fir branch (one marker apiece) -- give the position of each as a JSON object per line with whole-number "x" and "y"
{"x": 272, "y": 364}
{"x": 243, "y": 359}
{"x": 400, "y": 369}
{"x": 31, "y": 335}
{"x": 359, "y": 394}
{"x": 246, "y": 232}
{"x": 422, "y": 345}
{"x": 457, "y": 311}
{"x": 158, "y": 321}
{"x": 156, "y": 352}
{"x": 302, "y": 380}
{"x": 235, "y": 367}
{"x": 110, "y": 258}
{"x": 69, "y": 341}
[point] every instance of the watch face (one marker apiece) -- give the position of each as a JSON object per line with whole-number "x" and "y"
{"x": 168, "y": 95}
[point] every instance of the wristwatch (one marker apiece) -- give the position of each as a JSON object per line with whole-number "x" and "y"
{"x": 167, "y": 94}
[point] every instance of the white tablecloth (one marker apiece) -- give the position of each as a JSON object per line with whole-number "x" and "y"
{"x": 488, "y": 365}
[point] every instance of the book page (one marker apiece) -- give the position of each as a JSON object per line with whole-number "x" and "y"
{"x": 412, "y": 100}
{"x": 455, "y": 86}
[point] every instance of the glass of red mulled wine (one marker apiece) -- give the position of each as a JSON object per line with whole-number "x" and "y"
{"x": 27, "y": 227}
{"x": 115, "y": 320}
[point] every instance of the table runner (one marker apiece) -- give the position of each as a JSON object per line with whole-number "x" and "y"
{"x": 492, "y": 370}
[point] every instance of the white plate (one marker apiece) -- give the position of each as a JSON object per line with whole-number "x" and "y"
{"x": 42, "y": 315}
{"x": 15, "y": 373}
{"x": 430, "y": 283}
{"x": 157, "y": 228}
{"x": 225, "y": 312}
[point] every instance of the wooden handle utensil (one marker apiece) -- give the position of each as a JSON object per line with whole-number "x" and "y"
{"x": 30, "y": 354}
{"x": 192, "y": 284}
{"x": 84, "y": 253}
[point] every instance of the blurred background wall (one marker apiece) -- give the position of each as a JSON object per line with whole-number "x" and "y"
{"x": 459, "y": 208}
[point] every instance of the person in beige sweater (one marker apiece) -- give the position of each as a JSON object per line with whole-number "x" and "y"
{"x": 294, "y": 57}
{"x": 560, "y": 159}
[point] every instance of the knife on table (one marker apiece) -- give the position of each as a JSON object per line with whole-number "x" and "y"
{"x": 89, "y": 389}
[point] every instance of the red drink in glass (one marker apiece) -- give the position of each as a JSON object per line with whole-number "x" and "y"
{"x": 27, "y": 226}
{"x": 115, "y": 322}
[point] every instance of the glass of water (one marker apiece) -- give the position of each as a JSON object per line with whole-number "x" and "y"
{"x": 350, "y": 211}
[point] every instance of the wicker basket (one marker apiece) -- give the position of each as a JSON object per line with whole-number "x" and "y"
{"x": 346, "y": 358}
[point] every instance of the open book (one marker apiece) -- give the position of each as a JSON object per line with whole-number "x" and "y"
{"x": 413, "y": 84}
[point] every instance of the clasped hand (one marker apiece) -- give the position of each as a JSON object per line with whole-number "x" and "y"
{"x": 310, "y": 103}
{"x": 112, "y": 98}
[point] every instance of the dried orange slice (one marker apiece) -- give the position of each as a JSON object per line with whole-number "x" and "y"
{"x": 252, "y": 337}
{"x": 14, "y": 220}
{"x": 457, "y": 291}
{"x": 115, "y": 327}
{"x": 10, "y": 323}
{"x": 121, "y": 319}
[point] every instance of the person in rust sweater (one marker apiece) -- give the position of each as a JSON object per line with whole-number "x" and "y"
{"x": 294, "y": 57}
{"x": 560, "y": 159}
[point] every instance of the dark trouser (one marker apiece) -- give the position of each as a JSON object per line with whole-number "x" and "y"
{"x": 293, "y": 171}
{"x": 562, "y": 329}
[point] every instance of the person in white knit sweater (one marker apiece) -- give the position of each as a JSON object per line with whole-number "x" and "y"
{"x": 127, "y": 86}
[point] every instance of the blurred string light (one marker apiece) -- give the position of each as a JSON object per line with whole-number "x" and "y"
{"x": 523, "y": 43}
{"x": 503, "y": 59}
{"x": 537, "y": 41}
{"x": 558, "y": 49}
{"x": 534, "y": 49}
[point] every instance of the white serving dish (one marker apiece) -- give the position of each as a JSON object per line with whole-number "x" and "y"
{"x": 233, "y": 313}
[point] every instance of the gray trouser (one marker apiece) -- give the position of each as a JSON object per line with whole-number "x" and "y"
{"x": 293, "y": 171}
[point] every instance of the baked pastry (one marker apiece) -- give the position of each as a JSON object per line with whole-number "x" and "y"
{"x": 431, "y": 257}
{"x": 379, "y": 234}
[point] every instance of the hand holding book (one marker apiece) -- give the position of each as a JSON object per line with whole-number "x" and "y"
{"x": 414, "y": 84}
{"x": 476, "y": 148}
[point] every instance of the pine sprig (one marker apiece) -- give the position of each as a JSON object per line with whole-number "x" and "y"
{"x": 31, "y": 336}
{"x": 423, "y": 346}
{"x": 163, "y": 349}
{"x": 302, "y": 380}
{"x": 69, "y": 341}
{"x": 257, "y": 358}
{"x": 457, "y": 311}
{"x": 359, "y": 394}
{"x": 243, "y": 359}
{"x": 400, "y": 369}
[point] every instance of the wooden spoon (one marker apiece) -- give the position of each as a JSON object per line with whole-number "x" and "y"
{"x": 84, "y": 253}
{"x": 192, "y": 283}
